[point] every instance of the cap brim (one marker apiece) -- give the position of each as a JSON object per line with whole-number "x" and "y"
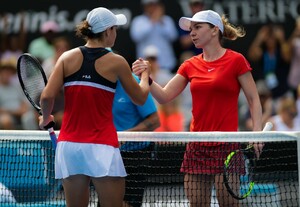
{"x": 185, "y": 23}
{"x": 121, "y": 19}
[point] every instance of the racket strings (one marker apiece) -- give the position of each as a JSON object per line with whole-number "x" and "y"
{"x": 32, "y": 78}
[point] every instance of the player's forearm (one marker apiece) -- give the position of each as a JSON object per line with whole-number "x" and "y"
{"x": 256, "y": 114}
{"x": 148, "y": 124}
{"x": 144, "y": 86}
{"x": 158, "y": 93}
{"x": 46, "y": 106}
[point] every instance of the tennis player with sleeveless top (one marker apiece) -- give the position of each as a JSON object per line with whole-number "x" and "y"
{"x": 87, "y": 149}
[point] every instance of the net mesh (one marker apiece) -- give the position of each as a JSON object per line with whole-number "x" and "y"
{"x": 154, "y": 172}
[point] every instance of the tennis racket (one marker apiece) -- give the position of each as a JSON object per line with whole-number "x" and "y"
{"x": 33, "y": 80}
{"x": 240, "y": 187}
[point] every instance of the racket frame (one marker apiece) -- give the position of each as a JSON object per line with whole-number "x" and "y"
{"x": 268, "y": 126}
{"x": 37, "y": 64}
{"x": 249, "y": 148}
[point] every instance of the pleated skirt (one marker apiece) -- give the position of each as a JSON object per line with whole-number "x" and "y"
{"x": 94, "y": 160}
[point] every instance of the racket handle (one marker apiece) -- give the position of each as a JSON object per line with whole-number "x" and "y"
{"x": 52, "y": 137}
{"x": 49, "y": 125}
{"x": 268, "y": 126}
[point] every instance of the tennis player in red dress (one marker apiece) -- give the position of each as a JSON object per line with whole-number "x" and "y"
{"x": 216, "y": 77}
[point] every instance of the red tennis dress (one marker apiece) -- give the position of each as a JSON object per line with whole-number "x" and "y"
{"x": 215, "y": 90}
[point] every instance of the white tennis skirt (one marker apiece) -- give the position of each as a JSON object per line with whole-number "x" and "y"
{"x": 94, "y": 160}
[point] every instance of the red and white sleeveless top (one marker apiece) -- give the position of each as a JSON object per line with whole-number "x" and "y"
{"x": 88, "y": 104}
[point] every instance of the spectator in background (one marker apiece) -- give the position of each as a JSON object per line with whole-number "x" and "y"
{"x": 131, "y": 117}
{"x": 271, "y": 50}
{"x": 287, "y": 117}
{"x": 15, "y": 112}
{"x": 294, "y": 74}
{"x": 42, "y": 47}
{"x": 151, "y": 54}
{"x": 12, "y": 44}
{"x": 171, "y": 117}
{"x": 154, "y": 27}
{"x": 60, "y": 45}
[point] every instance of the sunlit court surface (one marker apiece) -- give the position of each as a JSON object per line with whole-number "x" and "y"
{"x": 27, "y": 168}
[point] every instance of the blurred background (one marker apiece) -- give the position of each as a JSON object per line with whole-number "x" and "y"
{"x": 251, "y": 14}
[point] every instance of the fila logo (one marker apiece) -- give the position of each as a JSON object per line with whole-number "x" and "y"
{"x": 86, "y": 76}
{"x": 210, "y": 69}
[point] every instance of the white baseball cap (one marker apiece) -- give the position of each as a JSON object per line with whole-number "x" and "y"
{"x": 150, "y": 51}
{"x": 101, "y": 18}
{"x": 207, "y": 16}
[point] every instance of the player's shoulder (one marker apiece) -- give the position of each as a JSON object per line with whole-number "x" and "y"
{"x": 116, "y": 58}
{"x": 234, "y": 54}
{"x": 71, "y": 53}
{"x": 114, "y": 61}
{"x": 71, "y": 57}
{"x": 192, "y": 60}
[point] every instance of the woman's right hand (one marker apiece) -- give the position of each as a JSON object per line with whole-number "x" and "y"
{"x": 43, "y": 123}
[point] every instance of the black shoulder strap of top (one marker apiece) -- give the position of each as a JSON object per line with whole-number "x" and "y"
{"x": 91, "y": 54}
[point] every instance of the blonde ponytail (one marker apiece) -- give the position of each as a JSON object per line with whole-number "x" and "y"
{"x": 232, "y": 32}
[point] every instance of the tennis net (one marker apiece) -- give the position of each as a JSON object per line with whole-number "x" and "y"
{"x": 153, "y": 161}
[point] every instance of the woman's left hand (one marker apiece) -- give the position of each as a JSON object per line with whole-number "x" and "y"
{"x": 139, "y": 66}
{"x": 258, "y": 148}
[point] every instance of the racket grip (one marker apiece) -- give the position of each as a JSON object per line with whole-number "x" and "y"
{"x": 49, "y": 125}
{"x": 52, "y": 137}
{"x": 268, "y": 126}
